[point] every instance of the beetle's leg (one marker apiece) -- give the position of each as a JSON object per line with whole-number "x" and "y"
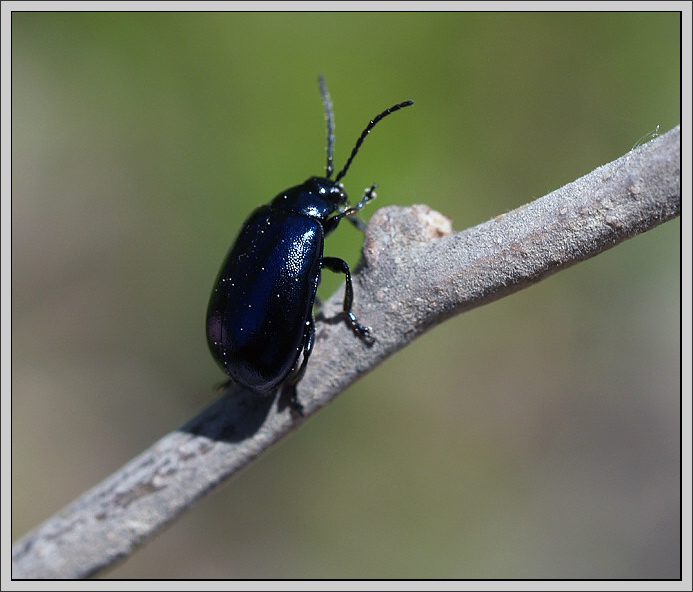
{"x": 309, "y": 341}
{"x": 368, "y": 196}
{"x": 358, "y": 223}
{"x": 340, "y": 266}
{"x": 331, "y": 223}
{"x": 289, "y": 391}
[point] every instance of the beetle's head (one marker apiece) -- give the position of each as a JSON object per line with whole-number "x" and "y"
{"x": 318, "y": 197}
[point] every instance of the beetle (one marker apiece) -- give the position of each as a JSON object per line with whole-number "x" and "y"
{"x": 260, "y": 314}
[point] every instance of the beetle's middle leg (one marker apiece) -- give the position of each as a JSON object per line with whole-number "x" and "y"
{"x": 340, "y": 266}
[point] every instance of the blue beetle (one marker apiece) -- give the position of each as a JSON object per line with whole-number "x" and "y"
{"x": 260, "y": 315}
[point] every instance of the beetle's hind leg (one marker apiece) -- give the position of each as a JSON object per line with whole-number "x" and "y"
{"x": 340, "y": 266}
{"x": 309, "y": 341}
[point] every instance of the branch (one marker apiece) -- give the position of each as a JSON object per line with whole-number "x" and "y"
{"x": 414, "y": 275}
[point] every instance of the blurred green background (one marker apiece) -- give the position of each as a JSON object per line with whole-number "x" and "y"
{"x": 537, "y": 437}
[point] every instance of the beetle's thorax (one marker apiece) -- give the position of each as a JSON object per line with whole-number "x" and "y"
{"x": 318, "y": 197}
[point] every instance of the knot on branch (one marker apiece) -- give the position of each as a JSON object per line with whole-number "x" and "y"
{"x": 401, "y": 227}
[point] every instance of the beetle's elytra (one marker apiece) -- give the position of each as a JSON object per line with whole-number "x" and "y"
{"x": 260, "y": 315}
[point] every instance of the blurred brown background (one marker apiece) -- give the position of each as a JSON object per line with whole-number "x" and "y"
{"x": 536, "y": 437}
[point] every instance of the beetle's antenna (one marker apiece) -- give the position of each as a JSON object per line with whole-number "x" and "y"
{"x": 365, "y": 132}
{"x": 329, "y": 117}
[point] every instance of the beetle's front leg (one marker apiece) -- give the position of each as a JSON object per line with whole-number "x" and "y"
{"x": 368, "y": 196}
{"x": 340, "y": 266}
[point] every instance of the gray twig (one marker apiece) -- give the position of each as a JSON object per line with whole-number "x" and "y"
{"x": 415, "y": 273}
